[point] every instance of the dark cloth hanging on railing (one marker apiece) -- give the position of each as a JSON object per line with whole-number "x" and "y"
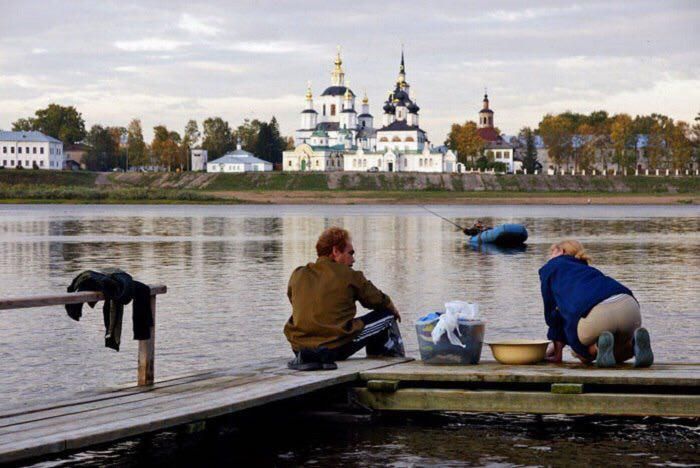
{"x": 119, "y": 288}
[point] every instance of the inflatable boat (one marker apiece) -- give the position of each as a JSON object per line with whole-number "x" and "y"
{"x": 504, "y": 235}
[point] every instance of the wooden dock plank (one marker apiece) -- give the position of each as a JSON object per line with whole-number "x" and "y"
{"x": 674, "y": 375}
{"x": 423, "y": 399}
{"x": 126, "y": 413}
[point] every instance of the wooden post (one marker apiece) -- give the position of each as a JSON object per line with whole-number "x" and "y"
{"x": 147, "y": 353}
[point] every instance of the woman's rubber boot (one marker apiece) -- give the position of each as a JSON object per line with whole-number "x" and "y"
{"x": 606, "y": 346}
{"x": 643, "y": 355}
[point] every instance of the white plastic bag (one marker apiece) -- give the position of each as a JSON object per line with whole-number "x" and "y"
{"x": 449, "y": 321}
{"x": 465, "y": 310}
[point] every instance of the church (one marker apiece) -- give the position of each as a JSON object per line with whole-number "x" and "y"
{"x": 495, "y": 147}
{"x": 338, "y": 138}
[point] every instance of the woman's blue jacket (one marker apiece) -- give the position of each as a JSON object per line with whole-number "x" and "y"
{"x": 570, "y": 289}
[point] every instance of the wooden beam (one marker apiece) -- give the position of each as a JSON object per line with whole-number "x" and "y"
{"x": 147, "y": 352}
{"x": 424, "y": 399}
{"x": 61, "y": 299}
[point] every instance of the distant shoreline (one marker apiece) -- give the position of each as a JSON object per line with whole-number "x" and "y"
{"x": 384, "y": 198}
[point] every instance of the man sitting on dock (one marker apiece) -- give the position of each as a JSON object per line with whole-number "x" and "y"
{"x": 323, "y": 327}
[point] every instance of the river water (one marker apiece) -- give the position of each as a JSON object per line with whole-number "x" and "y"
{"x": 226, "y": 268}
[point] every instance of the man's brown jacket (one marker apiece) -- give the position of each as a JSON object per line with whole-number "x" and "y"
{"x": 323, "y": 296}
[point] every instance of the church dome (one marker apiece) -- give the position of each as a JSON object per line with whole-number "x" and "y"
{"x": 413, "y": 108}
{"x": 389, "y": 108}
{"x": 337, "y": 91}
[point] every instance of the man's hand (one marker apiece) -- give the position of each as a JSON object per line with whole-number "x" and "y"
{"x": 554, "y": 352}
{"x": 392, "y": 308}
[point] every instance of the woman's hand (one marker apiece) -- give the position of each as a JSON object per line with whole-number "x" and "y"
{"x": 554, "y": 352}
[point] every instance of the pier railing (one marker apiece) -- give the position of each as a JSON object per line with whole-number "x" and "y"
{"x": 146, "y": 362}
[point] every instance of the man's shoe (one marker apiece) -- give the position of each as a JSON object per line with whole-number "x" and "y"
{"x": 301, "y": 364}
{"x": 643, "y": 355}
{"x": 327, "y": 362}
{"x": 606, "y": 346}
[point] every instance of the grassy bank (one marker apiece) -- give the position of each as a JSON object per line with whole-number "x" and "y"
{"x": 39, "y": 193}
{"x": 338, "y": 187}
{"x": 47, "y": 178}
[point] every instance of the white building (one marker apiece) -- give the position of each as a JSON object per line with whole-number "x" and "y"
{"x": 400, "y": 145}
{"x": 30, "y": 150}
{"x": 239, "y": 161}
{"x": 199, "y": 159}
{"x": 337, "y": 115}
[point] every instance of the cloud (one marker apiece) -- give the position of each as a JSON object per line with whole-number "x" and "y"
{"x": 152, "y": 44}
{"x": 510, "y": 16}
{"x": 216, "y": 66}
{"x": 270, "y": 47}
{"x": 197, "y": 26}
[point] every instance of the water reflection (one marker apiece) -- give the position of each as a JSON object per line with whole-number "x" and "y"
{"x": 227, "y": 269}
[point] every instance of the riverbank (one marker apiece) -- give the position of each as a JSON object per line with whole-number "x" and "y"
{"x": 342, "y": 188}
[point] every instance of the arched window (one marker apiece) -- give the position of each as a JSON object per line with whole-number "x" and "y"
{"x": 364, "y": 163}
{"x": 383, "y": 139}
{"x": 409, "y": 139}
{"x": 332, "y": 109}
{"x": 380, "y": 162}
{"x": 420, "y": 162}
{"x": 396, "y": 139}
{"x": 431, "y": 161}
{"x": 324, "y": 109}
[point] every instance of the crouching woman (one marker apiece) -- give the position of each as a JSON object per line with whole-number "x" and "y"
{"x": 595, "y": 315}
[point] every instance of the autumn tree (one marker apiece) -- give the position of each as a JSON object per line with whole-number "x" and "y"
{"x": 557, "y": 132}
{"x": 138, "y": 152}
{"x": 624, "y": 141}
{"x": 465, "y": 140}
{"x": 218, "y": 138}
{"x": 680, "y": 145}
{"x": 165, "y": 147}
{"x": 64, "y": 123}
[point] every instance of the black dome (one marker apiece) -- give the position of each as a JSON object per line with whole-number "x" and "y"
{"x": 413, "y": 108}
{"x": 336, "y": 91}
{"x": 389, "y": 108}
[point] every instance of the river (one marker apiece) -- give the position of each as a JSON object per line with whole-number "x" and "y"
{"x": 226, "y": 268}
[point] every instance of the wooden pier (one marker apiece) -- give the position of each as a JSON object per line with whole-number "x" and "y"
{"x": 398, "y": 384}
{"x": 662, "y": 390}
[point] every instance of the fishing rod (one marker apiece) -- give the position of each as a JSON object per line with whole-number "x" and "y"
{"x": 442, "y": 217}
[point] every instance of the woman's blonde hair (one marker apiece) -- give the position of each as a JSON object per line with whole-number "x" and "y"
{"x": 573, "y": 248}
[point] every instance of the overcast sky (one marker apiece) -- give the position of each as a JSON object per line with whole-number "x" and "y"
{"x": 169, "y": 61}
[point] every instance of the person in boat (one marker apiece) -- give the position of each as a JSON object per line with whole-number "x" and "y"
{"x": 477, "y": 228}
{"x": 323, "y": 327}
{"x": 598, "y": 317}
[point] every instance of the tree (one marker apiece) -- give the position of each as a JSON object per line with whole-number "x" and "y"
{"x": 269, "y": 144}
{"x": 530, "y": 158}
{"x": 557, "y": 133}
{"x": 103, "y": 154}
{"x": 680, "y": 145}
{"x": 138, "y": 152}
{"x": 465, "y": 140}
{"x": 624, "y": 141}
{"x": 217, "y": 137}
{"x": 23, "y": 125}
{"x": 247, "y": 134}
{"x": 165, "y": 148}
{"x": 64, "y": 123}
